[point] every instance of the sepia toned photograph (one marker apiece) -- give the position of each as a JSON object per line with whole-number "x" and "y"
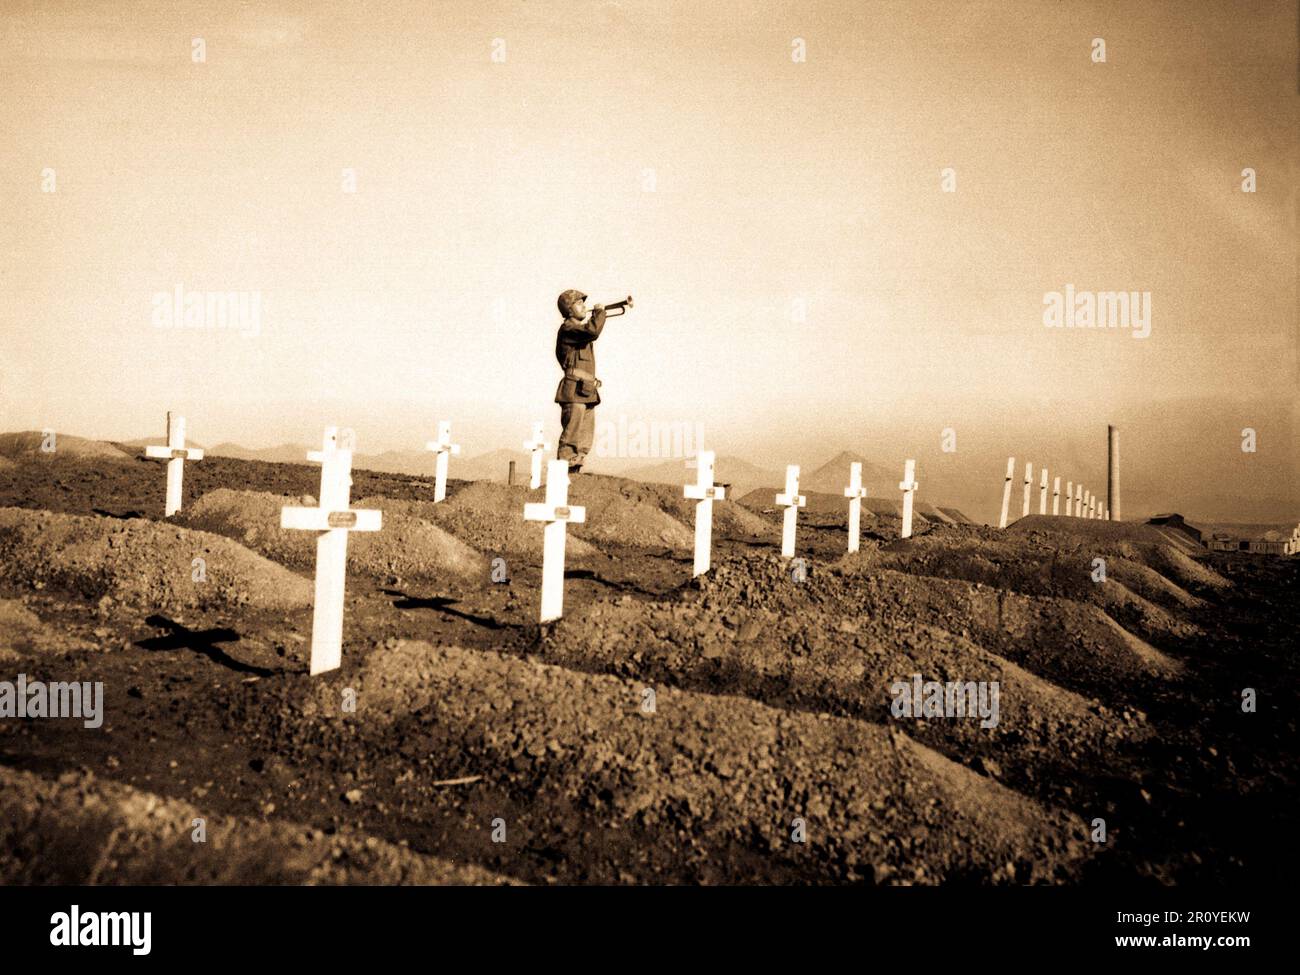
{"x": 649, "y": 443}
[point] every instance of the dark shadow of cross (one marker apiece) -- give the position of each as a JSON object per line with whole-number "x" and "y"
{"x": 610, "y": 583}
{"x": 443, "y": 603}
{"x": 182, "y": 637}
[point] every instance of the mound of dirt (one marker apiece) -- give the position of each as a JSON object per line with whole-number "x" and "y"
{"x": 1074, "y": 644}
{"x": 80, "y": 830}
{"x": 729, "y": 517}
{"x": 488, "y": 516}
{"x": 624, "y": 512}
{"x": 956, "y": 516}
{"x": 722, "y": 770}
{"x": 843, "y": 664}
{"x": 406, "y": 547}
{"x": 23, "y": 632}
{"x": 1177, "y": 565}
{"x": 141, "y": 563}
{"x": 1090, "y": 528}
{"x": 6, "y": 464}
{"x": 1041, "y": 570}
{"x": 27, "y": 446}
{"x": 1138, "y": 542}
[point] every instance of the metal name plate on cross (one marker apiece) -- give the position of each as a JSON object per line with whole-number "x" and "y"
{"x": 442, "y": 448}
{"x": 176, "y": 454}
{"x": 333, "y": 519}
{"x": 908, "y": 486}
{"x": 855, "y": 492}
{"x": 792, "y": 500}
{"x": 705, "y": 492}
{"x": 1006, "y": 492}
{"x": 536, "y": 447}
{"x": 557, "y": 512}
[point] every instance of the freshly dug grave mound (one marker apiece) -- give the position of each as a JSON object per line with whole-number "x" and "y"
{"x": 1070, "y": 643}
{"x": 1043, "y": 571}
{"x": 846, "y": 665}
{"x": 729, "y": 517}
{"x": 141, "y": 563}
{"x": 1170, "y": 562}
{"x": 765, "y": 580}
{"x": 487, "y": 516}
{"x": 80, "y": 830}
{"x": 718, "y": 770}
{"x": 956, "y": 516}
{"x": 1074, "y": 644}
{"x": 23, "y": 632}
{"x": 624, "y": 512}
{"x": 406, "y": 547}
{"x": 1142, "y": 543}
{"x": 27, "y": 447}
{"x": 1090, "y": 529}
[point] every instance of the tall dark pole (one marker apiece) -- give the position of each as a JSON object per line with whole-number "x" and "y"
{"x": 1112, "y": 472}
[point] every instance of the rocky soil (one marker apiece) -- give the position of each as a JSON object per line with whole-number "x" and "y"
{"x": 739, "y": 728}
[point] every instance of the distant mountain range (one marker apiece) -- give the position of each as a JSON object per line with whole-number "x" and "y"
{"x": 740, "y": 474}
{"x": 948, "y": 480}
{"x": 492, "y": 466}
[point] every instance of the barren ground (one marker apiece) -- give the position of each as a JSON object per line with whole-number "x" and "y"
{"x": 1119, "y": 700}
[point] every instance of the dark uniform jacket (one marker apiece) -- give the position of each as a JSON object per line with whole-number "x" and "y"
{"x": 575, "y": 351}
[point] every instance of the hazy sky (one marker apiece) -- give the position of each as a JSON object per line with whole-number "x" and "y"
{"x": 674, "y": 151}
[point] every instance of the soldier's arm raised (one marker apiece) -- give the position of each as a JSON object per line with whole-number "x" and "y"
{"x": 590, "y": 329}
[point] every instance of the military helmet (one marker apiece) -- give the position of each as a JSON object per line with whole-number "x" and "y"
{"x": 568, "y": 299}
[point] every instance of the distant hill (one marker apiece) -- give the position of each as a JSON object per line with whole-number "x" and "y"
{"x": 832, "y": 477}
{"x": 492, "y": 466}
{"x": 283, "y": 454}
{"x": 27, "y": 445}
{"x": 141, "y": 442}
{"x": 743, "y": 476}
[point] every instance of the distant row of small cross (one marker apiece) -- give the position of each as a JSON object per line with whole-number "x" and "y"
{"x": 1079, "y": 501}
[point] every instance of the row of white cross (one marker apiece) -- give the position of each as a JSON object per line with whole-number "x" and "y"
{"x": 333, "y": 518}
{"x": 176, "y": 453}
{"x": 1079, "y": 501}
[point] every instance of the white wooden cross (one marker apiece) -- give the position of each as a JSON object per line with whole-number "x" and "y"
{"x": 1042, "y": 493}
{"x": 333, "y": 519}
{"x": 855, "y": 492}
{"x": 908, "y": 486}
{"x": 442, "y": 448}
{"x": 705, "y": 492}
{"x": 176, "y": 454}
{"x": 1087, "y": 504}
{"x": 793, "y": 501}
{"x": 1006, "y": 492}
{"x": 1029, "y": 480}
{"x": 1056, "y": 495}
{"x": 557, "y": 512}
{"x": 1069, "y": 498}
{"x": 1078, "y": 500}
{"x": 537, "y": 446}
